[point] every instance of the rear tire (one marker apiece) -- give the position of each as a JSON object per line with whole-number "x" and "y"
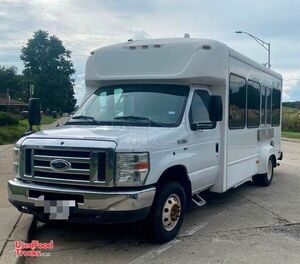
{"x": 266, "y": 178}
{"x": 167, "y": 213}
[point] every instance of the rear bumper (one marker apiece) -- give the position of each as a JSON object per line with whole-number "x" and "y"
{"x": 104, "y": 206}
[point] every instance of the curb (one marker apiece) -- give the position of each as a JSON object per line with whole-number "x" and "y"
{"x": 29, "y": 237}
{"x": 24, "y": 230}
{"x": 295, "y": 140}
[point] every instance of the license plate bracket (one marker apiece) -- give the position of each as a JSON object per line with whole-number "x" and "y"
{"x": 58, "y": 209}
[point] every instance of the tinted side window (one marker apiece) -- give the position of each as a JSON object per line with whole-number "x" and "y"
{"x": 276, "y": 95}
{"x": 199, "y": 112}
{"x": 268, "y": 105}
{"x": 263, "y": 106}
{"x": 253, "y": 104}
{"x": 237, "y": 102}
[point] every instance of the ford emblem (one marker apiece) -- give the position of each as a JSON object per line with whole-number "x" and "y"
{"x": 60, "y": 164}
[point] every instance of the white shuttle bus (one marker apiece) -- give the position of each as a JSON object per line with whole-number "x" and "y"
{"x": 162, "y": 120}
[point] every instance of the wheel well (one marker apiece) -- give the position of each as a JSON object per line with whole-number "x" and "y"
{"x": 178, "y": 174}
{"x": 273, "y": 159}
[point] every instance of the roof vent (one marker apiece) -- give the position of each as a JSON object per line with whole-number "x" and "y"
{"x": 144, "y": 46}
{"x": 186, "y": 35}
{"x": 129, "y": 40}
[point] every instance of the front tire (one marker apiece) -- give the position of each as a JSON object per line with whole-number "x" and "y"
{"x": 266, "y": 178}
{"x": 167, "y": 213}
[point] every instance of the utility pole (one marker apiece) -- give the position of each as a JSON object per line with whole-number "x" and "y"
{"x": 31, "y": 90}
{"x": 264, "y": 44}
{"x": 8, "y": 97}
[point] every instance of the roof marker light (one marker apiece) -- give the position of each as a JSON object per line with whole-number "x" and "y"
{"x": 156, "y": 46}
{"x": 206, "y": 47}
{"x": 144, "y": 46}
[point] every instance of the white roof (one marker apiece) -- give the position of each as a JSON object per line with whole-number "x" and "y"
{"x": 188, "y": 59}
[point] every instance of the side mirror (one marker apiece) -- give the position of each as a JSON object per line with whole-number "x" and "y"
{"x": 215, "y": 108}
{"x": 34, "y": 112}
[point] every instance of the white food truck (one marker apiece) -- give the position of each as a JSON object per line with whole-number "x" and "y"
{"x": 162, "y": 120}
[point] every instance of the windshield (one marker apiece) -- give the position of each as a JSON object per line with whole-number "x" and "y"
{"x": 134, "y": 104}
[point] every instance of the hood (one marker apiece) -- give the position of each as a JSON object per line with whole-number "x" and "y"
{"x": 127, "y": 138}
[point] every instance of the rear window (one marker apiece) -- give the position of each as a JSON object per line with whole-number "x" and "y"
{"x": 253, "y": 104}
{"x": 276, "y": 107}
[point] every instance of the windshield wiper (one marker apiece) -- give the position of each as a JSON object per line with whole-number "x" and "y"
{"x": 138, "y": 119}
{"x": 83, "y": 117}
{"x": 131, "y": 117}
{"x": 90, "y": 119}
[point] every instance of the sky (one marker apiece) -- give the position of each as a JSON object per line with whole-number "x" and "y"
{"x": 84, "y": 25}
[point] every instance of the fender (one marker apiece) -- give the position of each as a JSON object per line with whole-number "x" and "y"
{"x": 265, "y": 154}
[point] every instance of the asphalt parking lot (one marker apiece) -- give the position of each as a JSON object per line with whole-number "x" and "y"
{"x": 246, "y": 225}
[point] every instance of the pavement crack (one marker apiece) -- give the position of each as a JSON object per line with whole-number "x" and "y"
{"x": 239, "y": 230}
{"x": 8, "y": 239}
{"x": 68, "y": 249}
{"x": 279, "y": 217}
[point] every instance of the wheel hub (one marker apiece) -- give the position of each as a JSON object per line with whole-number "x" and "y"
{"x": 171, "y": 212}
{"x": 175, "y": 212}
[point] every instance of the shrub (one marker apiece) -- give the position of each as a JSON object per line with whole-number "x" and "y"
{"x": 10, "y": 134}
{"x": 291, "y": 119}
{"x": 7, "y": 119}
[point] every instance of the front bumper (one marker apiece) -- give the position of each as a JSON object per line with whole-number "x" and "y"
{"x": 104, "y": 206}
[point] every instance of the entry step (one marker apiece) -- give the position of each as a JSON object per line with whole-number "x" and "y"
{"x": 198, "y": 200}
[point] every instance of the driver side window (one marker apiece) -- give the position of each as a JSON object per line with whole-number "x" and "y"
{"x": 199, "y": 112}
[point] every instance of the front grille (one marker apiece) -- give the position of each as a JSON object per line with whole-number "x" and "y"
{"x": 28, "y": 165}
{"x": 84, "y": 166}
{"x": 77, "y": 159}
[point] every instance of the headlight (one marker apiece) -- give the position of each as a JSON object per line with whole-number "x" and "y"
{"x": 16, "y": 160}
{"x": 131, "y": 169}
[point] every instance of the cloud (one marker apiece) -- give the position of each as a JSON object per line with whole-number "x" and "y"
{"x": 295, "y": 92}
{"x": 79, "y": 88}
{"x": 291, "y": 81}
{"x": 86, "y": 25}
{"x": 140, "y": 34}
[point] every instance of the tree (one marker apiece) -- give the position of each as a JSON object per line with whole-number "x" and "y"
{"x": 15, "y": 83}
{"x": 48, "y": 64}
{"x": 295, "y": 104}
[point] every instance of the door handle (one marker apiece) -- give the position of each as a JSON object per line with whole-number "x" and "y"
{"x": 217, "y": 147}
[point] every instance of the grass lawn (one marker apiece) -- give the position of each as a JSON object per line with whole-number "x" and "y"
{"x": 46, "y": 120}
{"x": 288, "y": 134}
{"x": 10, "y": 134}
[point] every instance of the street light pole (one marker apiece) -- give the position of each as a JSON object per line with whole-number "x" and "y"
{"x": 265, "y": 45}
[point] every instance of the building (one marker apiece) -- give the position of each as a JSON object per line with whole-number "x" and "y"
{"x": 11, "y": 105}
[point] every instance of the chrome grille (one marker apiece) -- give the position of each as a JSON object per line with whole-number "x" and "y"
{"x": 85, "y": 166}
{"x": 79, "y": 160}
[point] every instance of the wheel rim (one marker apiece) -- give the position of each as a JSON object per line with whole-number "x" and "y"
{"x": 270, "y": 170}
{"x": 171, "y": 212}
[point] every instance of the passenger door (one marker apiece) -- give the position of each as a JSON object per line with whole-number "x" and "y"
{"x": 204, "y": 142}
